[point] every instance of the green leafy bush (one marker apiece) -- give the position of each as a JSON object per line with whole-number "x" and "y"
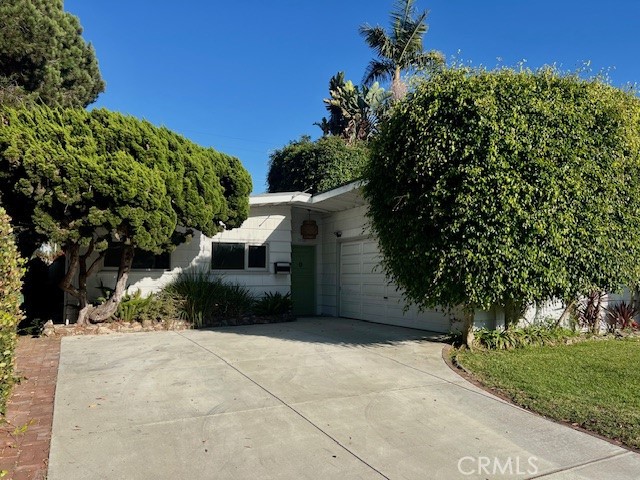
{"x": 11, "y": 272}
{"x": 533, "y": 335}
{"x": 162, "y": 308}
{"x": 202, "y": 300}
{"x": 496, "y": 188}
{"x": 79, "y": 178}
{"x": 316, "y": 166}
{"x": 132, "y": 307}
{"x": 234, "y": 300}
{"x": 273, "y": 304}
{"x": 157, "y": 307}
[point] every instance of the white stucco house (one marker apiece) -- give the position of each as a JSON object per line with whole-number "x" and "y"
{"x": 336, "y": 273}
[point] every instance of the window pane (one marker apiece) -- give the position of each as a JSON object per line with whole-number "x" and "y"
{"x": 147, "y": 260}
{"x": 141, "y": 260}
{"x": 227, "y": 256}
{"x": 257, "y": 256}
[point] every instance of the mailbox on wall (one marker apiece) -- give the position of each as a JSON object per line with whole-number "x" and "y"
{"x": 282, "y": 267}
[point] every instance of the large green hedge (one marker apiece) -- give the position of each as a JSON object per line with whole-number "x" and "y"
{"x": 11, "y": 272}
{"x": 316, "y": 166}
{"x": 81, "y": 179}
{"x": 500, "y": 188}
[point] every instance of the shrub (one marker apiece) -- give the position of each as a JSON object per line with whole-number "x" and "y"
{"x": 162, "y": 308}
{"x": 125, "y": 178}
{"x": 273, "y": 304}
{"x": 496, "y": 188}
{"x": 157, "y": 307}
{"x": 202, "y": 300}
{"x": 621, "y": 315}
{"x": 234, "y": 300}
{"x": 11, "y": 271}
{"x": 533, "y": 335}
{"x": 589, "y": 311}
{"x": 132, "y": 307}
{"x": 316, "y": 166}
{"x": 192, "y": 291}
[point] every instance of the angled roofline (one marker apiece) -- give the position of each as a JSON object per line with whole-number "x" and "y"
{"x": 303, "y": 199}
{"x": 280, "y": 198}
{"x": 336, "y": 192}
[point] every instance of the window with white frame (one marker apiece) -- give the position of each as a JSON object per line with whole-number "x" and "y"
{"x": 238, "y": 256}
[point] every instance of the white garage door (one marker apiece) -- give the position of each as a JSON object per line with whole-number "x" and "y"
{"x": 366, "y": 295}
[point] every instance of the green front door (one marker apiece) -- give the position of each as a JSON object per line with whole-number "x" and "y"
{"x": 303, "y": 279}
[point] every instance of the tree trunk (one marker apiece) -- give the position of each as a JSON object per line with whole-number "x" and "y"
{"x": 83, "y": 304}
{"x": 83, "y": 312}
{"x": 103, "y": 312}
{"x": 467, "y": 329}
{"x": 72, "y": 252}
{"x": 78, "y": 265}
{"x": 567, "y": 312}
{"x": 597, "y": 313}
{"x": 398, "y": 87}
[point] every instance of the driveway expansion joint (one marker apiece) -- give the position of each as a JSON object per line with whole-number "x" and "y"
{"x": 290, "y": 407}
{"x": 461, "y": 383}
{"x": 580, "y": 465}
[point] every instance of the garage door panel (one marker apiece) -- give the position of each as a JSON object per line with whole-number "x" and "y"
{"x": 373, "y": 289}
{"x": 373, "y": 310}
{"x": 351, "y": 249}
{"x": 369, "y": 246}
{"x": 370, "y": 259}
{"x": 351, "y": 268}
{"x": 374, "y": 275}
{"x": 366, "y": 294}
{"x": 351, "y": 279}
{"x": 351, "y": 293}
{"x": 372, "y": 268}
{"x": 351, "y": 311}
{"x": 379, "y": 286}
{"x": 394, "y": 297}
{"x": 397, "y": 311}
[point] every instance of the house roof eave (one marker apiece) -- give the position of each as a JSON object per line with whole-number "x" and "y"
{"x": 341, "y": 198}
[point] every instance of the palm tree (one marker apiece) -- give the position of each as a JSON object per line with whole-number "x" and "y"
{"x": 399, "y": 50}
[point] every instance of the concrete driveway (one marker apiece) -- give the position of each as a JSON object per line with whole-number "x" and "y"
{"x": 318, "y": 398}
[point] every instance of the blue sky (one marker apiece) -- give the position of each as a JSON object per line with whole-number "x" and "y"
{"x": 248, "y": 77}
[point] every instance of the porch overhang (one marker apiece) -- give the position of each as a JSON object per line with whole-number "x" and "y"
{"x": 336, "y": 200}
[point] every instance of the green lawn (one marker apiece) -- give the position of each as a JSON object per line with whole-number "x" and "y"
{"x": 595, "y": 383}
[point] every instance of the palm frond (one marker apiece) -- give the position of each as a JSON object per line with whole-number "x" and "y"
{"x": 378, "y": 40}
{"x": 403, "y": 12}
{"x": 378, "y": 70}
{"x": 410, "y": 41}
{"x": 324, "y": 126}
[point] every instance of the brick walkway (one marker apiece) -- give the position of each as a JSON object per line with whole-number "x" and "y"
{"x": 24, "y": 440}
